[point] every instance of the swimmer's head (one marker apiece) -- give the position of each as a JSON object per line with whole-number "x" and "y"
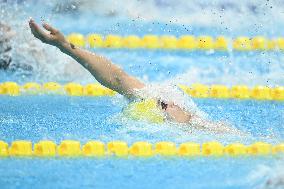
{"x": 164, "y": 103}
{"x": 157, "y": 111}
{"x": 148, "y": 110}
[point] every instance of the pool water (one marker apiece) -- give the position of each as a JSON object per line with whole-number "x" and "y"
{"x": 85, "y": 118}
{"x": 134, "y": 173}
{"x": 56, "y": 117}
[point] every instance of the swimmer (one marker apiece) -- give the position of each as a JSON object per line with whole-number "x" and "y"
{"x": 113, "y": 77}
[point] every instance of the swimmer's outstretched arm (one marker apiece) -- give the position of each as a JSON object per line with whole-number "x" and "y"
{"x": 110, "y": 75}
{"x": 107, "y": 73}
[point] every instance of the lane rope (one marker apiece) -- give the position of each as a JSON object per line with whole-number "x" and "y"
{"x": 94, "y": 89}
{"x": 184, "y": 42}
{"x": 73, "y": 148}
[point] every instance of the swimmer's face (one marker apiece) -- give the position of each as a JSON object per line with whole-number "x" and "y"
{"x": 174, "y": 112}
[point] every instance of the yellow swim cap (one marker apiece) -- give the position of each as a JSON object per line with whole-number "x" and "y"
{"x": 145, "y": 110}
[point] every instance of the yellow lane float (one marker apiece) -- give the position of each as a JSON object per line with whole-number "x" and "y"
{"x": 31, "y": 88}
{"x": 221, "y": 43}
{"x": 45, "y": 148}
{"x": 51, "y": 88}
{"x": 212, "y": 149}
{"x": 235, "y": 149}
{"x": 4, "y": 149}
{"x": 165, "y": 148}
{"x": 143, "y": 149}
{"x": 76, "y": 39}
{"x": 219, "y": 91}
{"x": 97, "y": 90}
{"x": 187, "y": 42}
{"x": 205, "y": 43}
{"x": 259, "y": 43}
{"x": 195, "y": 90}
{"x": 74, "y": 89}
{"x": 113, "y": 41}
{"x": 151, "y": 42}
{"x": 95, "y": 40}
{"x": 10, "y": 88}
{"x": 184, "y": 42}
{"x": 279, "y": 148}
{"x": 259, "y": 148}
{"x": 168, "y": 42}
{"x": 242, "y": 44}
{"x": 199, "y": 91}
{"x": 117, "y": 148}
{"x": 189, "y": 149}
{"x": 69, "y": 148}
{"x": 280, "y": 43}
{"x": 21, "y": 148}
{"x": 277, "y": 93}
{"x": 131, "y": 42}
{"x": 261, "y": 93}
{"x": 240, "y": 91}
{"x": 94, "y": 148}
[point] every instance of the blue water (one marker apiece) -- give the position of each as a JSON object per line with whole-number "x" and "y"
{"x": 132, "y": 173}
{"x": 85, "y": 118}
{"x": 81, "y": 118}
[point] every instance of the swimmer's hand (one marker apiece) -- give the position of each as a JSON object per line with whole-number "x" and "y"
{"x": 55, "y": 37}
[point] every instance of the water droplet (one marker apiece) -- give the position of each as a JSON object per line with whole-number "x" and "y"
{"x": 73, "y": 6}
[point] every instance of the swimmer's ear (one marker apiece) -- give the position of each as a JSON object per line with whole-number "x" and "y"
{"x": 50, "y": 28}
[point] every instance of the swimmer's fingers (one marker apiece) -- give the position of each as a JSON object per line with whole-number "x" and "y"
{"x": 52, "y": 30}
{"x": 38, "y": 32}
{"x": 57, "y": 38}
